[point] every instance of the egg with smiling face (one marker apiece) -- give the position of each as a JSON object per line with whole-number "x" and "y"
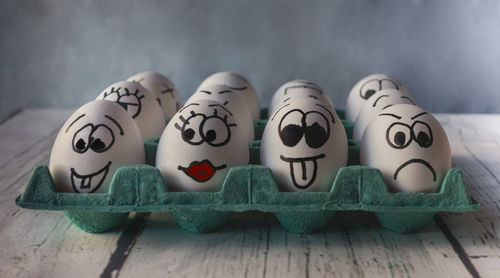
{"x": 384, "y": 99}
{"x": 240, "y": 85}
{"x": 230, "y": 99}
{"x": 365, "y": 89}
{"x": 90, "y": 146}
{"x": 409, "y": 147}
{"x": 304, "y": 144}
{"x": 162, "y": 89}
{"x": 297, "y": 88}
{"x": 199, "y": 145}
{"x": 140, "y": 104}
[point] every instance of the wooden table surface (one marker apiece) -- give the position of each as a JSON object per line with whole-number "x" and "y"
{"x": 252, "y": 244}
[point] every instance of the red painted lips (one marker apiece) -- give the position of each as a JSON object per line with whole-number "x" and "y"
{"x": 201, "y": 171}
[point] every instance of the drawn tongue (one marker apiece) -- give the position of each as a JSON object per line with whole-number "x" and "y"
{"x": 303, "y": 172}
{"x": 202, "y": 172}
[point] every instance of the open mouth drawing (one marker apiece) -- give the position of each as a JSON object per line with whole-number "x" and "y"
{"x": 83, "y": 183}
{"x": 415, "y": 160}
{"x": 303, "y": 170}
{"x": 201, "y": 171}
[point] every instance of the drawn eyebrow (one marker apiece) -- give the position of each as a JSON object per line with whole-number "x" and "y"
{"x": 188, "y": 106}
{"x": 238, "y": 88}
{"x": 225, "y": 92}
{"x": 418, "y": 115}
{"x": 409, "y": 99}
{"x": 212, "y": 105}
{"x": 206, "y": 92}
{"x": 303, "y": 86}
{"x": 116, "y": 123}
{"x": 390, "y": 114}
{"x": 327, "y": 110}
{"x": 375, "y": 103}
{"x": 387, "y": 106}
{"x": 277, "y": 111}
{"x": 311, "y": 96}
{"x": 79, "y": 117}
{"x": 286, "y": 99}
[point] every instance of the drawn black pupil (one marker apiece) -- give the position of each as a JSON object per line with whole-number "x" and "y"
{"x": 210, "y": 135}
{"x": 97, "y": 144}
{"x": 291, "y": 135}
{"x": 369, "y": 93}
{"x": 316, "y": 136}
{"x": 423, "y": 138}
{"x": 400, "y": 138}
{"x": 188, "y": 134}
{"x": 80, "y": 144}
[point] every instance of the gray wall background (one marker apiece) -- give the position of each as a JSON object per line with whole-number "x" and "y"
{"x": 63, "y": 53}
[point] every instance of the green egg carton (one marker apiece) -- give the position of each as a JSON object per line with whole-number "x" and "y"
{"x": 141, "y": 188}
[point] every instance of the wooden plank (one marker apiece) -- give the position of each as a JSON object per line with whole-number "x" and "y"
{"x": 475, "y": 143}
{"x": 41, "y": 243}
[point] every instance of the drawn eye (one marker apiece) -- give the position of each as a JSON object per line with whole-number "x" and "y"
{"x": 131, "y": 103}
{"x": 388, "y": 84}
{"x": 215, "y": 131}
{"x": 101, "y": 139}
{"x": 422, "y": 134}
{"x": 317, "y": 130}
{"x": 398, "y": 135}
{"x": 369, "y": 88}
{"x": 190, "y": 130}
{"x": 81, "y": 138}
{"x": 290, "y": 128}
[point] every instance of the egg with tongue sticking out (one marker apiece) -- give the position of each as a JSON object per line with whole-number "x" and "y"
{"x": 202, "y": 141}
{"x": 304, "y": 144}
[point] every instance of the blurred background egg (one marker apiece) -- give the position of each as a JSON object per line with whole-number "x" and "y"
{"x": 410, "y": 148}
{"x": 365, "y": 88}
{"x": 297, "y": 88}
{"x": 95, "y": 141}
{"x": 230, "y": 99}
{"x": 239, "y": 84}
{"x": 162, "y": 89}
{"x": 384, "y": 99}
{"x": 140, "y": 104}
{"x": 199, "y": 145}
{"x": 304, "y": 144}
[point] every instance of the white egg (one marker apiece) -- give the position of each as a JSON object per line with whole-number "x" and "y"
{"x": 162, "y": 89}
{"x": 384, "y": 99}
{"x": 232, "y": 100}
{"x": 304, "y": 144}
{"x": 364, "y": 89}
{"x": 409, "y": 147}
{"x": 140, "y": 104}
{"x": 297, "y": 88}
{"x": 90, "y": 146}
{"x": 201, "y": 142}
{"x": 239, "y": 84}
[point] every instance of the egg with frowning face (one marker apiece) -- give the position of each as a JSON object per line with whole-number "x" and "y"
{"x": 162, "y": 89}
{"x": 90, "y": 146}
{"x": 199, "y": 145}
{"x": 304, "y": 144}
{"x": 296, "y": 89}
{"x": 384, "y": 99}
{"x": 230, "y": 99}
{"x": 365, "y": 89}
{"x": 238, "y": 84}
{"x": 409, "y": 147}
{"x": 140, "y": 104}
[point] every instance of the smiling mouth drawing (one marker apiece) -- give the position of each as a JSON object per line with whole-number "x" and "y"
{"x": 201, "y": 171}
{"x": 415, "y": 160}
{"x": 83, "y": 183}
{"x": 305, "y": 167}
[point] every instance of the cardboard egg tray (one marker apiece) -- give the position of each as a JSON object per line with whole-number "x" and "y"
{"x": 141, "y": 188}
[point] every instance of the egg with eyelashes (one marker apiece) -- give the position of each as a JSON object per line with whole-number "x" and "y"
{"x": 409, "y": 147}
{"x": 304, "y": 144}
{"x": 89, "y": 148}
{"x": 365, "y": 88}
{"x": 202, "y": 141}
{"x": 140, "y": 104}
{"x": 238, "y": 84}
{"x": 297, "y": 88}
{"x": 384, "y": 99}
{"x": 232, "y": 100}
{"x": 162, "y": 89}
